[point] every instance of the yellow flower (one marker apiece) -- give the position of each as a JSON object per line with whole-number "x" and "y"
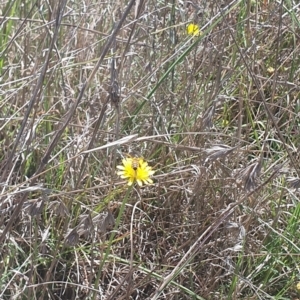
{"x": 225, "y": 123}
{"x": 193, "y": 29}
{"x": 135, "y": 169}
{"x": 298, "y": 286}
{"x": 271, "y": 70}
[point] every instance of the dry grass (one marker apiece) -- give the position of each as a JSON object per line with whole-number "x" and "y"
{"x": 83, "y": 83}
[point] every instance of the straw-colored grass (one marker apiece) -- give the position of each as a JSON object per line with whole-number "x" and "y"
{"x": 86, "y": 83}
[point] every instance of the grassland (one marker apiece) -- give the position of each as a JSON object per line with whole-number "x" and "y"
{"x": 85, "y": 83}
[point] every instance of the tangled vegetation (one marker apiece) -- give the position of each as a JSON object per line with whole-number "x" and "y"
{"x": 201, "y": 96}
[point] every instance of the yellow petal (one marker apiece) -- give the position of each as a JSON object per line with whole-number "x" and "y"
{"x": 193, "y": 29}
{"x": 130, "y": 182}
{"x": 140, "y": 182}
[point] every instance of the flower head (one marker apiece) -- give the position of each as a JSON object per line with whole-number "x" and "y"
{"x": 193, "y": 29}
{"x": 135, "y": 169}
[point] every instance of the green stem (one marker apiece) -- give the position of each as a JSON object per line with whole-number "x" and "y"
{"x": 111, "y": 238}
